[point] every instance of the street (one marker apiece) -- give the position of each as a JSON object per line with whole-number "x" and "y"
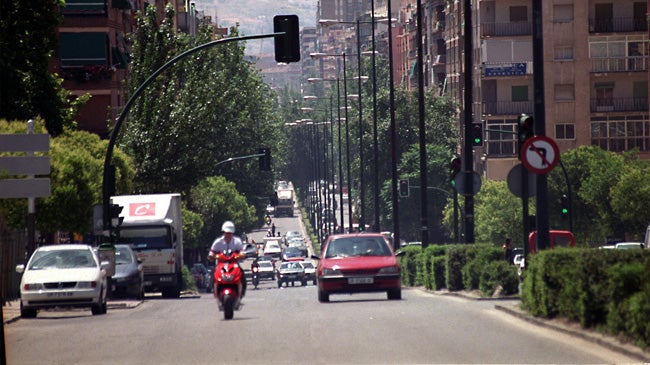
{"x": 289, "y": 326}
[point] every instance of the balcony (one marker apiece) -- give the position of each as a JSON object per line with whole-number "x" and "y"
{"x": 507, "y": 107}
{"x": 619, "y": 64}
{"x": 616, "y": 25}
{"x": 492, "y": 29}
{"x": 619, "y": 105}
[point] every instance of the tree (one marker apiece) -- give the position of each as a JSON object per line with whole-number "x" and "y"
{"x": 217, "y": 200}
{"x": 28, "y": 38}
{"x": 205, "y": 109}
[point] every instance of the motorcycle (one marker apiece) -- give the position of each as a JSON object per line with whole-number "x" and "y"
{"x": 256, "y": 276}
{"x": 228, "y": 282}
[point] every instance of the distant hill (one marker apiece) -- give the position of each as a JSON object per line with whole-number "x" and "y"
{"x": 256, "y": 17}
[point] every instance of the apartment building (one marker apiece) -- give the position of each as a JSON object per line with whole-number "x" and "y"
{"x": 595, "y": 71}
{"x": 93, "y": 52}
{"x": 595, "y": 76}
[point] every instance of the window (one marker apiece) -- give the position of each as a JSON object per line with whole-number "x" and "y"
{"x": 563, "y": 13}
{"x": 501, "y": 137}
{"x": 565, "y": 131}
{"x": 621, "y": 133}
{"x": 518, "y": 14}
{"x": 564, "y": 53}
{"x": 605, "y": 96}
{"x": 81, "y": 49}
{"x": 564, "y": 92}
{"x": 520, "y": 93}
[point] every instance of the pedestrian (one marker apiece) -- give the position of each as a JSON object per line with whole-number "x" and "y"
{"x": 507, "y": 250}
{"x": 273, "y": 229}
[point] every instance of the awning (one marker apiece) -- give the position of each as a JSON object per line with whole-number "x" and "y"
{"x": 80, "y": 49}
{"x": 84, "y": 5}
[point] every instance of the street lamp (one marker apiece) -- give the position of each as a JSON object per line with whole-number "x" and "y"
{"x": 338, "y": 113}
{"x": 347, "y": 137}
{"x": 330, "y": 202}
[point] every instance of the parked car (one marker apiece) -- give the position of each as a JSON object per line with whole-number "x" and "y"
{"x": 310, "y": 271}
{"x": 63, "y": 276}
{"x": 129, "y": 276}
{"x": 290, "y": 272}
{"x": 357, "y": 263}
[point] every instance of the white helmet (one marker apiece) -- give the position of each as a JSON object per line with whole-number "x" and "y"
{"x": 228, "y": 227}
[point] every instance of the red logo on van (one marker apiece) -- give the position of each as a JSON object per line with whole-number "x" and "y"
{"x": 142, "y": 209}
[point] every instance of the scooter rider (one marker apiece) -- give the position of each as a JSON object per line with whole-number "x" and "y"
{"x": 228, "y": 242}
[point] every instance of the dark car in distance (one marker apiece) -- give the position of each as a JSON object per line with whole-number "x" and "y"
{"x": 129, "y": 275}
{"x": 358, "y": 263}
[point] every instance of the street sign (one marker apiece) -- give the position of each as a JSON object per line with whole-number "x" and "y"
{"x": 30, "y": 165}
{"x": 24, "y": 188}
{"x": 459, "y": 181}
{"x": 540, "y": 154}
{"x": 514, "y": 181}
{"x": 25, "y": 165}
{"x": 24, "y": 142}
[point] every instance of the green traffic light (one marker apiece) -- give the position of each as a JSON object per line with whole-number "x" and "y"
{"x": 565, "y": 211}
{"x": 477, "y": 140}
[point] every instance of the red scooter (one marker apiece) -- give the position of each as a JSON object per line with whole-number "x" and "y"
{"x": 228, "y": 282}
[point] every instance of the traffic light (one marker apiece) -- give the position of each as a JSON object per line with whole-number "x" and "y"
{"x": 564, "y": 205}
{"x": 454, "y": 168}
{"x": 264, "y": 158}
{"x": 287, "y": 45}
{"x": 477, "y": 134}
{"x": 404, "y": 188}
{"x": 525, "y": 130}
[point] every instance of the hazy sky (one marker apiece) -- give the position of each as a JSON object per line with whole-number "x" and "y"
{"x": 256, "y": 16}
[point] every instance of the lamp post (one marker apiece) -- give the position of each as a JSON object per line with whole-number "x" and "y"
{"x": 347, "y": 138}
{"x": 326, "y": 176}
{"x": 338, "y": 98}
{"x": 327, "y": 22}
{"x": 333, "y": 165}
{"x": 393, "y": 132}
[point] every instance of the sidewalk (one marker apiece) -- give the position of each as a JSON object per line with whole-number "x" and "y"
{"x": 11, "y": 310}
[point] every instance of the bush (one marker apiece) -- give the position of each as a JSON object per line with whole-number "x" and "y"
{"x": 438, "y": 269}
{"x": 188, "y": 280}
{"x": 499, "y": 274}
{"x": 478, "y": 257}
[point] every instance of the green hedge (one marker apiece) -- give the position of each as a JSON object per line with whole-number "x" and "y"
{"x": 608, "y": 289}
{"x": 459, "y": 267}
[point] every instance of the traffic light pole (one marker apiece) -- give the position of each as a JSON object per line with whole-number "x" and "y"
{"x": 542, "y": 226}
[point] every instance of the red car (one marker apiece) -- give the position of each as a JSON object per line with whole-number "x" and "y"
{"x": 358, "y": 263}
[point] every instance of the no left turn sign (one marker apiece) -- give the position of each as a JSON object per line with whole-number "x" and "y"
{"x": 540, "y": 154}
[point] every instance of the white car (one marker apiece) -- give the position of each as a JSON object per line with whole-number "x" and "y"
{"x": 273, "y": 249}
{"x": 62, "y": 276}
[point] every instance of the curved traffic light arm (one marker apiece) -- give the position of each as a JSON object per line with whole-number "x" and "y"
{"x": 107, "y": 181}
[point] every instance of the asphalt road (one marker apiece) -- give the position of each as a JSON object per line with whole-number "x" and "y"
{"x": 289, "y": 326}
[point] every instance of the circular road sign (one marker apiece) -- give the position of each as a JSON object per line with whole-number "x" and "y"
{"x": 540, "y": 154}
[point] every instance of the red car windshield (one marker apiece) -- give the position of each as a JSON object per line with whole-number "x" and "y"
{"x": 357, "y": 246}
